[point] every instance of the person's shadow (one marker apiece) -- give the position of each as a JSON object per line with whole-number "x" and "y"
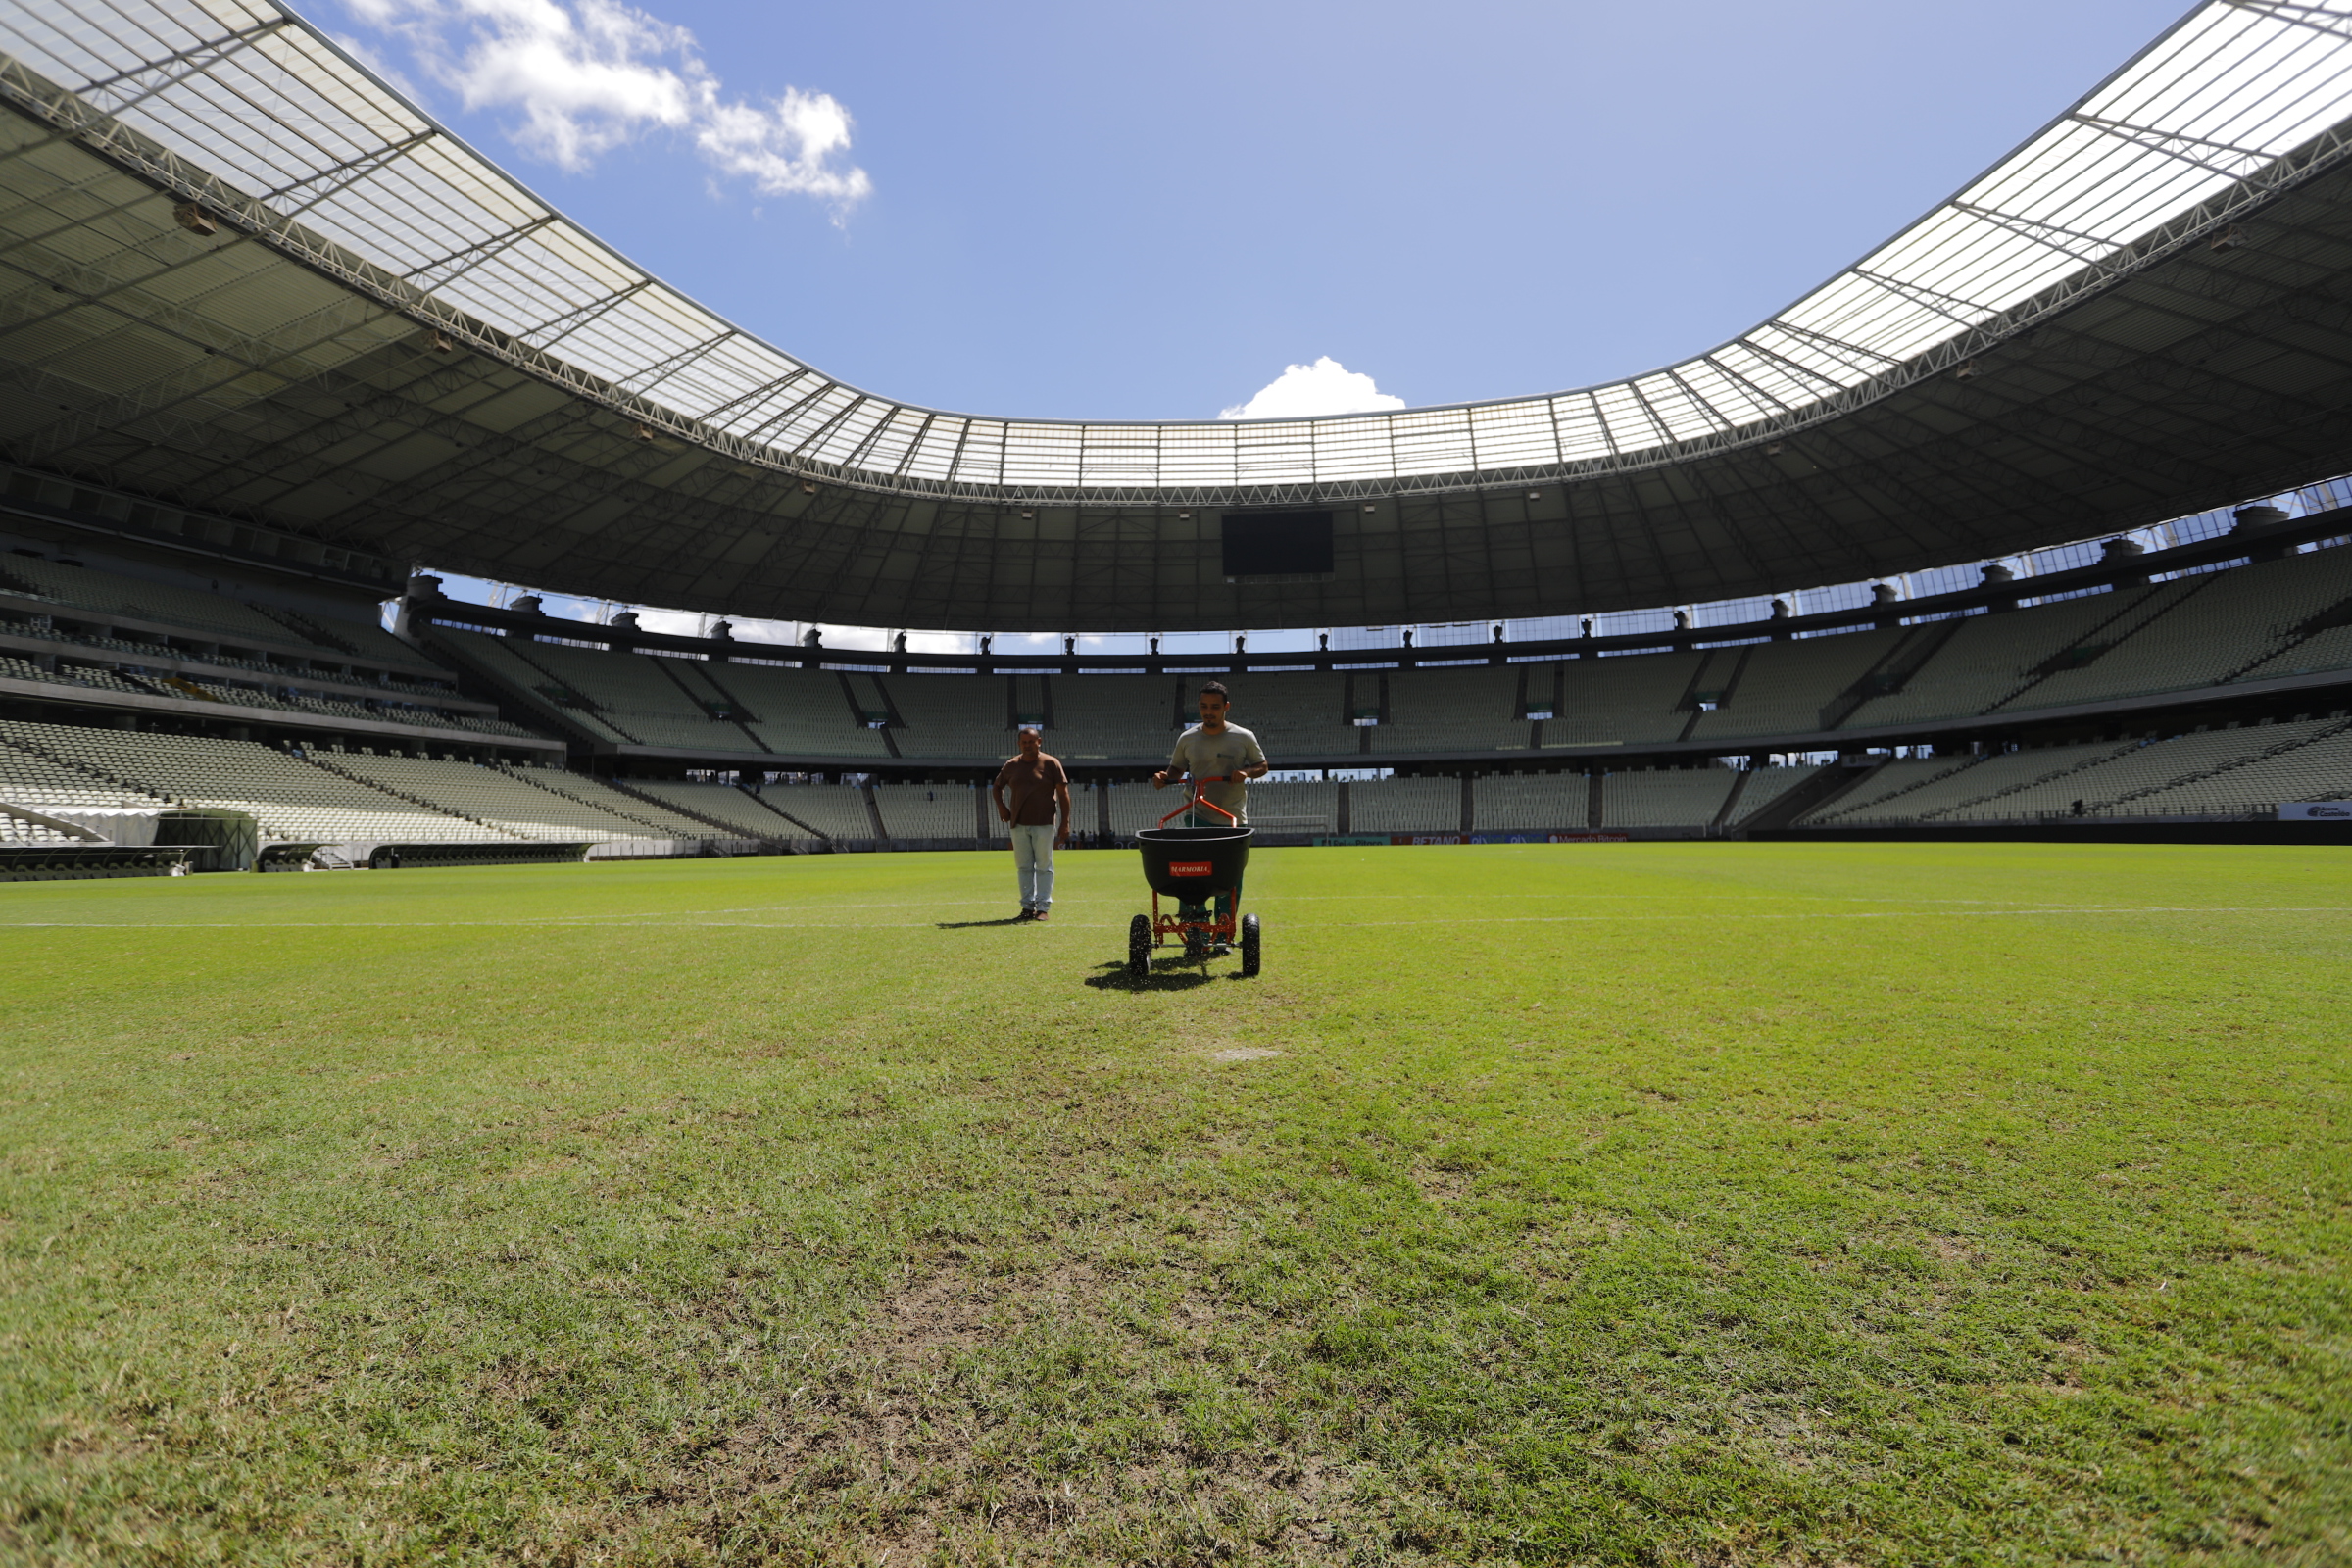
{"x": 967, "y": 925}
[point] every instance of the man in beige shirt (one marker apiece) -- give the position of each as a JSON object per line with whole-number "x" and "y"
{"x": 1226, "y": 753}
{"x": 1039, "y": 813}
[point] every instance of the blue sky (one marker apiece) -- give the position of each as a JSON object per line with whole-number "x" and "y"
{"x": 1149, "y": 212}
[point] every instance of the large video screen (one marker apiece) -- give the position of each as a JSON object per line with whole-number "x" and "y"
{"x": 1277, "y": 544}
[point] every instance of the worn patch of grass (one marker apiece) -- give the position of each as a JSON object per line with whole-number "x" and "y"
{"x": 1599, "y": 1203}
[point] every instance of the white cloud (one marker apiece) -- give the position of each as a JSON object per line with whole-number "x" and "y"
{"x": 1304, "y": 391}
{"x": 588, "y": 76}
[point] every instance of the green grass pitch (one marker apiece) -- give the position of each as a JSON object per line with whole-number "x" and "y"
{"x": 1608, "y": 1203}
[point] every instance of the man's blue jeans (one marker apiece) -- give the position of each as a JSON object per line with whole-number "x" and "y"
{"x": 1033, "y": 861}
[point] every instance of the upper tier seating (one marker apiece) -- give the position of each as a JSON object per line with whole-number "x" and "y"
{"x": 1627, "y": 697}
{"x": 644, "y": 696}
{"x": 1293, "y": 715}
{"x": 66, "y": 676}
{"x": 1988, "y": 657}
{"x": 798, "y": 713}
{"x": 1783, "y": 687}
{"x": 1766, "y": 785}
{"x": 518, "y": 674}
{"x": 1664, "y": 798}
{"x": 1405, "y": 806}
{"x": 2221, "y": 625}
{"x": 1505, "y": 802}
{"x": 934, "y": 811}
{"x": 290, "y": 799}
{"x": 137, "y": 599}
{"x": 1472, "y": 708}
{"x": 942, "y": 715}
{"x": 1097, "y": 716}
{"x": 2327, "y": 649}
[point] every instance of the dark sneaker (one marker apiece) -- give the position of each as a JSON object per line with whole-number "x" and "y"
{"x": 1024, "y": 916}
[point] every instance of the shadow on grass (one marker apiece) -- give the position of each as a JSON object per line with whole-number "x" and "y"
{"x": 966, "y": 925}
{"x": 1167, "y": 974}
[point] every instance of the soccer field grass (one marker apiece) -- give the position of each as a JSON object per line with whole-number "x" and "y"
{"x": 1711, "y": 1204}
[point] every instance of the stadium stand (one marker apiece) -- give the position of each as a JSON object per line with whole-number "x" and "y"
{"x": 291, "y": 800}
{"x": 804, "y": 712}
{"x": 940, "y": 715}
{"x": 17, "y": 833}
{"x": 42, "y": 782}
{"x": 1885, "y": 783}
{"x": 735, "y": 811}
{"x": 1469, "y": 709}
{"x": 89, "y": 588}
{"x": 1135, "y": 806}
{"x": 1782, "y": 688}
{"x": 931, "y": 810}
{"x": 1097, "y": 716}
{"x": 2235, "y": 621}
{"x": 1765, "y": 785}
{"x": 1521, "y": 801}
{"x": 2317, "y": 768}
{"x": 544, "y": 804}
{"x": 2110, "y": 783}
{"x": 1405, "y": 806}
{"x": 835, "y": 811}
{"x": 1987, "y": 780}
{"x": 1297, "y": 716}
{"x": 1625, "y": 699}
{"x": 1293, "y": 806}
{"x": 1665, "y": 798}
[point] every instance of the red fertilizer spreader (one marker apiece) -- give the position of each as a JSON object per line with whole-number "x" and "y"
{"x": 1195, "y": 866}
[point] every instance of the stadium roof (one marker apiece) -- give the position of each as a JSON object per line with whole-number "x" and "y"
{"x": 243, "y": 273}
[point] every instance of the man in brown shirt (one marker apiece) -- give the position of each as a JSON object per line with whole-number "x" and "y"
{"x": 1040, "y": 814}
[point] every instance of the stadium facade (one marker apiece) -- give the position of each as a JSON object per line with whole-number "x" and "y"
{"x": 272, "y": 339}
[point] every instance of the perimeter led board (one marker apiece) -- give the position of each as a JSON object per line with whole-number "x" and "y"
{"x": 1277, "y": 544}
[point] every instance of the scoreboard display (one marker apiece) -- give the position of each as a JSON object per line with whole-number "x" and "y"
{"x": 1277, "y": 544}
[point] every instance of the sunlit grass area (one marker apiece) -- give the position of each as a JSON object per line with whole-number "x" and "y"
{"x": 1708, "y": 1203}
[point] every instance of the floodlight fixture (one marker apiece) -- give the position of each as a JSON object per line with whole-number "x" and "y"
{"x": 2228, "y": 239}
{"x": 195, "y": 220}
{"x": 442, "y": 344}
{"x": 1965, "y": 371}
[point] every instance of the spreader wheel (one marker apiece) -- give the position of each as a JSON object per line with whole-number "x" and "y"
{"x": 1138, "y": 947}
{"x": 1248, "y": 946}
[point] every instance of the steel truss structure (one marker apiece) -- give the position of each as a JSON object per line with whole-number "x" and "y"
{"x": 240, "y": 271}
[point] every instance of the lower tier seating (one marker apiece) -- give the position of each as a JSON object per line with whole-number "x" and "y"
{"x": 1664, "y": 798}
{"x": 1405, "y": 806}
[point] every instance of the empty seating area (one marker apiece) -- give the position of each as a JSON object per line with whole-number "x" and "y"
{"x": 1522, "y": 801}
{"x": 932, "y": 810}
{"x": 1889, "y": 782}
{"x": 1473, "y": 708}
{"x": 1765, "y": 785}
{"x": 835, "y": 811}
{"x": 735, "y": 811}
{"x": 2318, "y": 769}
{"x": 1628, "y": 697}
{"x": 291, "y": 799}
{"x": 42, "y": 783}
{"x": 941, "y": 715}
{"x": 2226, "y": 623}
{"x": 1292, "y": 805}
{"x": 1664, "y": 798}
{"x": 1977, "y": 786}
{"x": 137, "y": 598}
{"x": 1100, "y": 717}
{"x": 513, "y": 803}
{"x": 800, "y": 711}
{"x": 1782, "y": 688}
{"x": 1405, "y": 806}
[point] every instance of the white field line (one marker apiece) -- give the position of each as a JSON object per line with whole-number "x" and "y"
{"x": 657, "y": 923}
